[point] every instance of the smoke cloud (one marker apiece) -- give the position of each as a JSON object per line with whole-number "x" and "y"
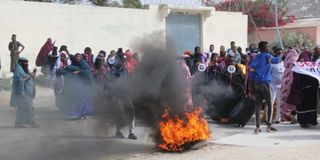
{"x": 159, "y": 82}
{"x": 156, "y": 84}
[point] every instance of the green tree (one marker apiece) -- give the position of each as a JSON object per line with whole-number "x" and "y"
{"x": 114, "y": 4}
{"x": 261, "y": 11}
{"x": 132, "y": 4}
{"x": 109, "y": 3}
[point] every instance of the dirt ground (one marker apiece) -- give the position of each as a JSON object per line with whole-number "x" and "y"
{"x": 92, "y": 139}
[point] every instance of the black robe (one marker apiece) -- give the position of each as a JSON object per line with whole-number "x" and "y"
{"x": 304, "y": 95}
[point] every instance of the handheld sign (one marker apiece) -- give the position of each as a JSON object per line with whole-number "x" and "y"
{"x": 112, "y": 60}
{"x": 202, "y": 67}
{"x": 231, "y": 69}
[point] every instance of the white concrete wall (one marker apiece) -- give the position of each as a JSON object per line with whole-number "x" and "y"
{"x": 223, "y": 27}
{"x": 99, "y": 27}
{"x": 75, "y": 26}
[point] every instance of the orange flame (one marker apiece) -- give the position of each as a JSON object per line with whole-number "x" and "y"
{"x": 176, "y": 132}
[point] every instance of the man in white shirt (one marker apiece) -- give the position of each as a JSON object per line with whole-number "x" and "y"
{"x": 234, "y": 53}
{"x": 232, "y": 44}
{"x": 209, "y": 54}
{"x": 275, "y": 85}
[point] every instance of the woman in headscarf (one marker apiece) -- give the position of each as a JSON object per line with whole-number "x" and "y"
{"x": 63, "y": 63}
{"x": 316, "y": 54}
{"x": 222, "y": 55}
{"x": 89, "y": 57}
{"x": 304, "y": 94}
{"x": 188, "y": 56}
{"x": 131, "y": 63}
{"x": 22, "y": 95}
{"x": 305, "y": 56}
{"x": 48, "y": 67}
{"x": 100, "y": 72}
{"x": 63, "y": 60}
{"x": 78, "y": 88}
{"x": 44, "y": 52}
{"x": 188, "y": 79}
{"x": 100, "y": 84}
{"x": 287, "y": 110}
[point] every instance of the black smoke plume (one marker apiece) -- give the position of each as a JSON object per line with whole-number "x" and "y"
{"x": 157, "y": 83}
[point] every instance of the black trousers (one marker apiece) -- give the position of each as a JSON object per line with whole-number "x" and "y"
{"x": 262, "y": 92}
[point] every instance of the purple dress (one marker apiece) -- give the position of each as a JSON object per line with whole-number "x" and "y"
{"x": 287, "y": 109}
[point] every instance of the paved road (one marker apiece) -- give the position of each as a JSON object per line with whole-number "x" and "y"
{"x": 91, "y": 139}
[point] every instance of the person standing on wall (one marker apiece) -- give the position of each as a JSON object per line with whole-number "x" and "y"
{"x": 261, "y": 68}
{"x": 14, "y": 48}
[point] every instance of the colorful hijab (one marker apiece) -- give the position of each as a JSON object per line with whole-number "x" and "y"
{"x": 305, "y": 56}
{"x": 23, "y": 91}
{"x": 131, "y": 62}
{"x": 44, "y": 52}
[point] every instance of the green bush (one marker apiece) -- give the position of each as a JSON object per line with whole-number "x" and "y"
{"x": 295, "y": 40}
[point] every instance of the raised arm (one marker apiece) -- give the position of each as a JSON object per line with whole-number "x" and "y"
{"x": 274, "y": 60}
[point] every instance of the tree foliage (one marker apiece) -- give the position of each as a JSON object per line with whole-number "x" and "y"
{"x": 296, "y": 40}
{"x": 262, "y": 11}
{"x": 132, "y": 4}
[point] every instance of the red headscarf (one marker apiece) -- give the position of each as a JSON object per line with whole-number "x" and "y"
{"x": 63, "y": 64}
{"x": 44, "y": 51}
{"x": 131, "y": 62}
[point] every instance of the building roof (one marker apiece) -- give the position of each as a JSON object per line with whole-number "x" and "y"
{"x": 301, "y": 23}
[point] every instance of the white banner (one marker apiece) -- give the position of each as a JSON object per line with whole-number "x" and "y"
{"x": 307, "y": 68}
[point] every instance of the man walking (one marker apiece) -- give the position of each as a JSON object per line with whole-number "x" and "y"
{"x": 261, "y": 68}
{"x": 14, "y": 48}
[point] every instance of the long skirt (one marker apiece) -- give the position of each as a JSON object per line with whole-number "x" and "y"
{"x": 286, "y": 109}
{"x": 82, "y": 106}
{"x": 307, "y": 111}
{"x": 25, "y": 115}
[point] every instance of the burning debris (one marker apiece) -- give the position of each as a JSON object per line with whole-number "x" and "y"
{"x": 178, "y": 134}
{"x": 158, "y": 82}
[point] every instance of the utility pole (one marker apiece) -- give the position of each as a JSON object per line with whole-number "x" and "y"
{"x": 277, "y": 24}
{"x": 242, "y": 6}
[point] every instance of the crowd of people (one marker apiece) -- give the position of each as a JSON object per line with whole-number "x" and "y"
{"x": 264, "y": 75}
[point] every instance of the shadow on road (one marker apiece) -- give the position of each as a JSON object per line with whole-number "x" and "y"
{"x": 297, "y": 137}
{"x": 75, "y": 148}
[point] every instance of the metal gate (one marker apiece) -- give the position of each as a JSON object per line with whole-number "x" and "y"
{"x": 183, "y": 31}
